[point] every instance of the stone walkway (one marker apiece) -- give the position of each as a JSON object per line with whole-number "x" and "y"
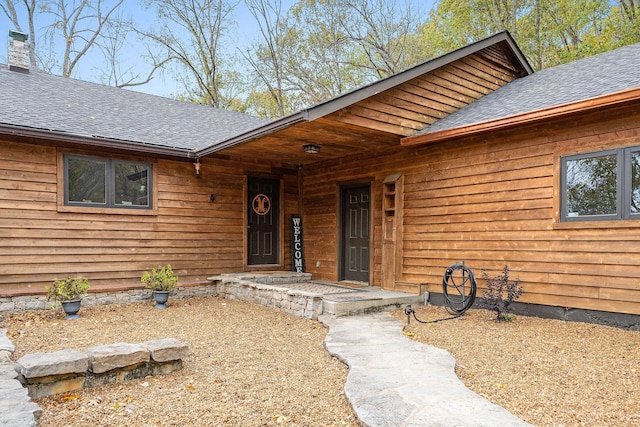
{"x": 16, "y": 408}
{"x": 395, "y": 381}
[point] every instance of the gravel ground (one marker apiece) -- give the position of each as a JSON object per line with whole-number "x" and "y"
{"x": 547, "y": 372}
{"x": 248, "y": 366}
{"x": 253, "y": 366}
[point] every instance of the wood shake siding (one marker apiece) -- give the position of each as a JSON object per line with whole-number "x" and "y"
{"x": 489, "y": 201}
{"x": 199, "y": 238}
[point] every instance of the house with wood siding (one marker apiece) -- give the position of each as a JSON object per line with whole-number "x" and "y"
{"x": 468, "y": 157}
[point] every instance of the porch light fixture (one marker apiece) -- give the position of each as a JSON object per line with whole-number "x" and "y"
{"x": 311, "y": 148}
{"x": 197, "y": 166}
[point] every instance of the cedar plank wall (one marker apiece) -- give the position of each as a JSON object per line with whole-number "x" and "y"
{"x": 199, "y": 238}
{"x": 489, "y": 201}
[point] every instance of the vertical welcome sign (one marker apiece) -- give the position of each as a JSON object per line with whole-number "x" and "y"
{"x": 297, "y": 244}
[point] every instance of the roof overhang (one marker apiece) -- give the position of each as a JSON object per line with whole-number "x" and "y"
{"x": 612, "y": 100}
{"x": 58, "y": 137}
{"x": 372, "y": 118}
{"x": 378, "y": 115}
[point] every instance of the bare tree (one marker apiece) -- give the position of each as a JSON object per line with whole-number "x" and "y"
{"x": 9, "y": 9}
{"x": 266, "y": 57}
{"x": 113, "y": 43}
{"x": 630, "y": 8}
{"x": 323, "y": 48}
{"x": 381, "y": 29}
{"x": 190, "y": 38}
{"x": 321, "y": 66}
{"x": 79, "y": 24}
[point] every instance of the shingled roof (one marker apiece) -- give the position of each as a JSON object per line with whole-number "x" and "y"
{"x": 45, "y": 103}
{"x": 493, "y": 70}
{"x": 588, "y": 78}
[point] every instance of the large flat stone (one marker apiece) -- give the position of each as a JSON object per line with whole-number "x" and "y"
{"x": 7, "y": 367}
{"x": 10, "y": 384}
{"x": 5, "y": 343}
{"x": 166, "y": 350}
{"x": 22, "y": 419}
{"x": 16, "y": 408}
{"x": 114, "y": 356}
{"x": 60, "y": 362}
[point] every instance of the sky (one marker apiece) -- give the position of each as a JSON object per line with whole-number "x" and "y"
{"x": 244, "y": 32}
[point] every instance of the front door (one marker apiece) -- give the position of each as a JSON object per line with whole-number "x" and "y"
{"x": 355, "y": 252}
{"x": 263, "y": 216}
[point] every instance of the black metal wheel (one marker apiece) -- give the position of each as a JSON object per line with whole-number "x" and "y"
{"x": 459, "y": 289}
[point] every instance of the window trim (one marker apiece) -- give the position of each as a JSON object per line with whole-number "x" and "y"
{"x": 64, "y": 206}
{"x": 623, "y": 185}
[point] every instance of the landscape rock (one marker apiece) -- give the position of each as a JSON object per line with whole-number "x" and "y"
{"x": 57, "y": 363}
{"x": 167, "y": 349}
{"x": 5, "y": 343}
{"x": 113, "y": 356}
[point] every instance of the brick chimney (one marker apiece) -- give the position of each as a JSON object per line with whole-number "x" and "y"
{"x": 18, "y": 52}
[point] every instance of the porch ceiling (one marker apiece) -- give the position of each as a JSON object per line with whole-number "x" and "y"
{"x": 335, "y": 139}
{"x": 379, "y": 115}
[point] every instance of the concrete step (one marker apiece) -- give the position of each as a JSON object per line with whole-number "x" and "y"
{"x": 368, "y": 300}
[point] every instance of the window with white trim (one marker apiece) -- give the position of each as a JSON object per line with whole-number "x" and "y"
{"x": 108, "y": 183}
{"x": 601, "y": 186}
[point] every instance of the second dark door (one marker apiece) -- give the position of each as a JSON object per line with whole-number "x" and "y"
{"x": 355, "y": 234}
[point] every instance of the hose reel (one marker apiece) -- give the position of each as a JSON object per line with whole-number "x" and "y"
{"x": 458, "y": 290}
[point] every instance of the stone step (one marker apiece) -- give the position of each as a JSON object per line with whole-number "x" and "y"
{"x": 371, "y": 301}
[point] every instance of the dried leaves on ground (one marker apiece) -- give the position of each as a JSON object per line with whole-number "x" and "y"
{"x": 253, "y": 366}
{"x": 248, "y": 366}
{"x": 547, "y": 372}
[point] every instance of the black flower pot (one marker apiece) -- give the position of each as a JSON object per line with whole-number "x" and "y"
{"x": 71, "y": 308}
{"x": 161, "y": 297}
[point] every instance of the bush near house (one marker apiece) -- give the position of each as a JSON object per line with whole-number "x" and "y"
{"x": 499, "y": 287}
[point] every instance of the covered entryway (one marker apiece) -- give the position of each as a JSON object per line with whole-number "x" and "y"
{"x": 354, "y": 233}
{"x": 263, "y": 228}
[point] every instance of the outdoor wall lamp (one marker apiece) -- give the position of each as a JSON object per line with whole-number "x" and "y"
{"x": 197, "y": 166}
{"x": 311, "y": 148}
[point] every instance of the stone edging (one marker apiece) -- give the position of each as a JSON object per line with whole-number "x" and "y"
{"x": 263, "y": 289}
{"x": 131, "y": 296}
{"x": 16, "y": 407}
{"x": 257, "y": 288}
{"x": 44, "y": 374}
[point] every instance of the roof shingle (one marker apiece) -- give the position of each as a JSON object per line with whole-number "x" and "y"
{"x": 42, "y": 101}
{"x": 598, "y": 75}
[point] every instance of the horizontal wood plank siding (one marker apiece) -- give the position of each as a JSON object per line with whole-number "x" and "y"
{"x": 491, "y": 201}
{"x": 199, "y": 238}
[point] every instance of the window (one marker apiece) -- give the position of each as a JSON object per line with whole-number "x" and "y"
{"x": 109, "y": 183}
{"x": 601, "y": 186}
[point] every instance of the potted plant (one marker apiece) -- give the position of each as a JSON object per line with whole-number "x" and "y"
{"x": 161, "y": 281}
{"x": 68, "y": 293}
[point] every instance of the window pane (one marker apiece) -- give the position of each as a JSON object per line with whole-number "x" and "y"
{"x": 635, "y": 182}
{"x": 591, "y": 186}
{"x": 86, "y": 180}
{"x": 131, "y": 184}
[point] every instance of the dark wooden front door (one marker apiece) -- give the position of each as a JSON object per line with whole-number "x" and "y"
{"x": 355, "y": 234}
{"x": 263, "y": 200}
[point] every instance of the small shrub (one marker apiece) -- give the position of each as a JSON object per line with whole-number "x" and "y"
{"x": 499, "y": 287}
{"x": 71, "y": 288}
{"x": 160, "y": 279}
